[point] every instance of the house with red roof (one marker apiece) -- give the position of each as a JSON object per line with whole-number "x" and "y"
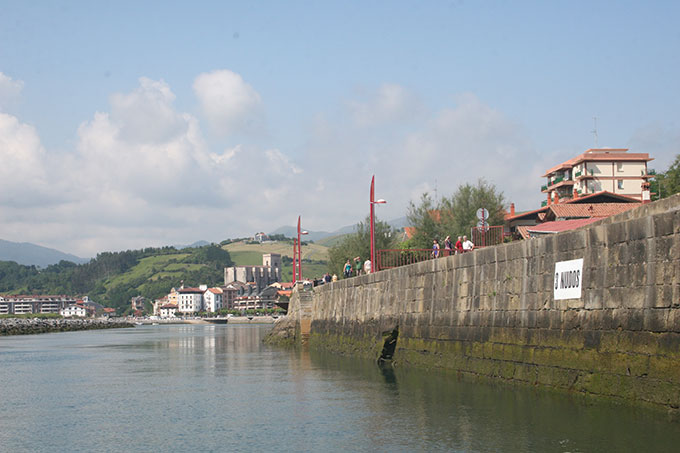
{"x": 614, "y": 170}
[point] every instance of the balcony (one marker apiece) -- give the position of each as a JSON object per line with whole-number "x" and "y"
{"x": 577, "y": 174}
{"x": 544, "y": 188}
{"x": 544, "y": 203}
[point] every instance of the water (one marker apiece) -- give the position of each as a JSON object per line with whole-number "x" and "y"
{"x": 217, "y": 388}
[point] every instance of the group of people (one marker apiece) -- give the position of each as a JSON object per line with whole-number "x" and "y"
{"x": 462, "y": 245}
{"x": 359, "y": 267}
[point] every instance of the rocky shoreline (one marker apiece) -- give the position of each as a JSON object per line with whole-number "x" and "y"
{"x": 29, "y": 326}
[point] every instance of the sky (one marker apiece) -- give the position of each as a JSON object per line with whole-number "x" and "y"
{"x": 134, "y": 124}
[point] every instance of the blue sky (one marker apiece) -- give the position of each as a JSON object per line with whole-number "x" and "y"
{"x": 150, "y": 123}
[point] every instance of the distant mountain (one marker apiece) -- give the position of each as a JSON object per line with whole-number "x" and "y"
{"x": 290, "y": 231}
{"x": 190, "y": 246}
{"x": 34, "y": 255}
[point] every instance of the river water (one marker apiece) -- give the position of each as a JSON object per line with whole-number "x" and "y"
{"x": 218, "y": 388}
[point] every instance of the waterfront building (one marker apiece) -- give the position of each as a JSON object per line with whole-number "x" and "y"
{"x": 212, "y": 300}
{"x": 24, "y": 304}
{"x": 190, "y": 300}
{"x": 614, "y": 170}
{"x": 74, "y": 311}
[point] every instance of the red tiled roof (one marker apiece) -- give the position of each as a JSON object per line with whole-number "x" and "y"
{"x": 109, "y": 310}
{"x": 590, "y": 209}
{"x": 169, "y": 306}
{"x": 558, "y": 226}
{"x": 617, "y": 197}
{"x": 190, "y": 291}
{"x": 410, "y": 231}
{"x": 527, "y": 213}
{"x": 522, "y": 230}
{"x": 286, "y": 293}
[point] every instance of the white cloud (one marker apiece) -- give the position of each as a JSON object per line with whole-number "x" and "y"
{"x": 9, "y": 89}
{"x": 390, "y": 103}
{"x": 229, "y": 103}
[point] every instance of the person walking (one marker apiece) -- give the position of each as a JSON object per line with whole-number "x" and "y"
{"x": 435, "y": 249}
{"x": 448, "y": 246}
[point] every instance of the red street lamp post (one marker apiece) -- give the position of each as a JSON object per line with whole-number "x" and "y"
{"x": 373, "y": 202}
{"x": 294, "y": 259}
{"x": 299, "y": 249}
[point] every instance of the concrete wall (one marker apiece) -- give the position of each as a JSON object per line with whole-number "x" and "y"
{"x": 492, "y": 312}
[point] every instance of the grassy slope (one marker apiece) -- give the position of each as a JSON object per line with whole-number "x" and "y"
{"x": 153, "y": 267}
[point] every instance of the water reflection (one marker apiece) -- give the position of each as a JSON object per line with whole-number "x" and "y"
{"x": 217, "y": 388}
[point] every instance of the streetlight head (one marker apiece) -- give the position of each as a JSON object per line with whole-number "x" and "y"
{"x": 304, "y": 232}
{"x": 380, "y": 201}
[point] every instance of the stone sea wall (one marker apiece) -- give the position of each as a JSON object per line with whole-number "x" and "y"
{"x": 28, "y": 326}
{"x": 492, "y": 313}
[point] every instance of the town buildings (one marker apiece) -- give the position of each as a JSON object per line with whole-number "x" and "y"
{"x": 591, "y": 186}
{"x": 262, "y": 276}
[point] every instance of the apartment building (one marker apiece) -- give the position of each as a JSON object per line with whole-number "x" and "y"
{"x": 190, "y": 300}
{"x": 23, "y": 304}
{"x": 613, "y": 170}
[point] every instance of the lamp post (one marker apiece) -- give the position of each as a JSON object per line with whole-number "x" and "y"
{"x": 294, "y": 259}
{"x": 373, "y": 202}
{"x": 299, "y": 249}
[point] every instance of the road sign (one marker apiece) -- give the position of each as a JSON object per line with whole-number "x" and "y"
{"x": 483, "y": 225}
{"x": 482, "y": 213}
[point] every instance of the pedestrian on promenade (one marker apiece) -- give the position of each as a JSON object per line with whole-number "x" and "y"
{"x": 459, "y": 245}
{"x": 367, "y": 267}
{"x": 347, "y": 270}
{"x": 468, "y": 246}
{"x": 435, "y": 249}
{"x": 448, "y": 246}
{"x": 358, "y": 264}
{"x": 334, "y": 278}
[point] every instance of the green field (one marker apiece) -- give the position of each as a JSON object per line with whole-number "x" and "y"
{"x": 153, "y": 268}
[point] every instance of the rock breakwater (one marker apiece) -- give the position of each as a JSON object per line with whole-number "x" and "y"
{"x": 29, "y": 326}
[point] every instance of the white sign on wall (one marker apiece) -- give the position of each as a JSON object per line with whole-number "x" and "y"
{"x": 568, "y": 279}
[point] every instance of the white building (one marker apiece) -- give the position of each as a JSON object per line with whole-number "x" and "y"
{"x": 212, "y": 300}
{"x": 77, "y": 311}
{"x": 190, "y": 300}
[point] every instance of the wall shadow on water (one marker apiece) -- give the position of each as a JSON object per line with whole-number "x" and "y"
{"x": 432, "y": 410}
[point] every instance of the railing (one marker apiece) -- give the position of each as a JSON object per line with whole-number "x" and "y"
{"x": 557, "y": 180}
{"x": 390, "y": 258}
{"x": 487, "y": 236}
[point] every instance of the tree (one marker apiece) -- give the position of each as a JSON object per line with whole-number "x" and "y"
{"x": 453, "y": 216}
{"x": 359, "y": 244}
{"x": 668, "y": 183}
